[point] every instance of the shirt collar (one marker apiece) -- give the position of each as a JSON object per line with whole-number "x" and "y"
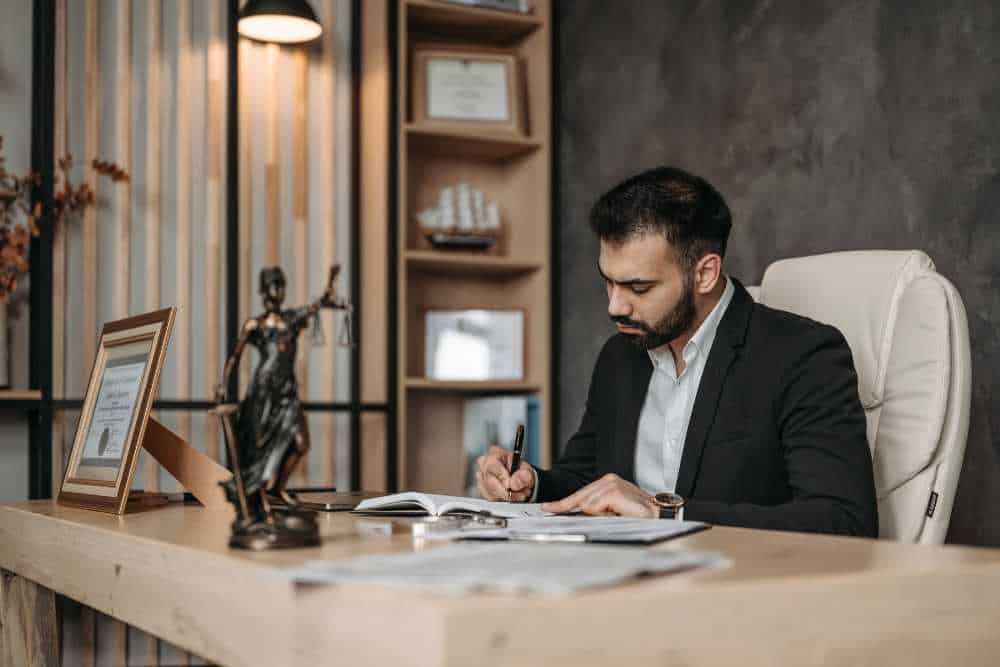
{"x": 701, "y": 341}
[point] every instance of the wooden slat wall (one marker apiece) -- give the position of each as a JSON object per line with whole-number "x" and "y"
{"x": 166, "y": 227}
{"x": 288, "y": 136}
{"x": 59, "y": 253}
{"x": 374, "y": 133}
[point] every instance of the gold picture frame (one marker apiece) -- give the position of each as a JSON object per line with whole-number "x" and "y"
{"x": 115, "y": 412}
{"x": 475, "y": 90}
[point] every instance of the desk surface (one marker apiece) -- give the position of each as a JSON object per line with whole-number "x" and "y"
{"x": 804, "y": 599}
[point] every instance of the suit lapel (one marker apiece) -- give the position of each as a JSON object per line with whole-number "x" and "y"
{"x": 633, "y": 393}
{"x": 730, "y": 336}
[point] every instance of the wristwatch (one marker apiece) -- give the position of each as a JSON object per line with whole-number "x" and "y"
{"x": 671, "y": 505}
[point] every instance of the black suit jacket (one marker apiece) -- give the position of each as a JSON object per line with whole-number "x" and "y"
{"x": 776, "y": 437}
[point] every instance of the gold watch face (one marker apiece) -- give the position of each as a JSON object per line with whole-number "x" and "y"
{"x": 669, "y": 500}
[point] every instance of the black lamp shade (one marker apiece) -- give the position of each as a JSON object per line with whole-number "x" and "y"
{"x": 282, "y": 21}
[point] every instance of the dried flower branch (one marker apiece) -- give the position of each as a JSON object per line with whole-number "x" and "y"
{"x": 19, "y": 218}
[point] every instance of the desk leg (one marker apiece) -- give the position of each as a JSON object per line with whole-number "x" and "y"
{"x": 29, "y": 624}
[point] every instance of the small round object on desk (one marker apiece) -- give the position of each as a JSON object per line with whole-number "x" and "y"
{"x": 434, "y": 525}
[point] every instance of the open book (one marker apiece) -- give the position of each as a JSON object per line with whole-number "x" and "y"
{"x": 413, "y": 503}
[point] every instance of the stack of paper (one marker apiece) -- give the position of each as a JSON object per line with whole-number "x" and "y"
{"x": 616, "y": 530}
{"x": 508, "y": 567}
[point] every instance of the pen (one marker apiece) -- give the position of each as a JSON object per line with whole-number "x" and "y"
{"x": 515, "y": 460}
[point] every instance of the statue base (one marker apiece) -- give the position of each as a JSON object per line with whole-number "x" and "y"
{"x": 283, "y": 529}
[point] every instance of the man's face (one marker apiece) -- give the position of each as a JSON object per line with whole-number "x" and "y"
{"x": 650, "y": 296}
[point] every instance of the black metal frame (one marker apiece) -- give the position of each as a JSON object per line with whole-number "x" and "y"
{"x": 391, "y": 467}
{"x": 41, "y": 273}
{"x": 43, "y": 80}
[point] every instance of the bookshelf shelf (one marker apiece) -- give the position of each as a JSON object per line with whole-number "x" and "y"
{"x": 430, "y": 261}
{"x": 458, "y": 141}
{"x": 450, "y": 20}
{"x": 472, "y": 386}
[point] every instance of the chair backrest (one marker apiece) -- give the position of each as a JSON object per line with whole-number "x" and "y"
{"x": 907, "y": 329}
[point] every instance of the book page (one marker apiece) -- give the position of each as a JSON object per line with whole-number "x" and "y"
{"x": 439, "y": 504}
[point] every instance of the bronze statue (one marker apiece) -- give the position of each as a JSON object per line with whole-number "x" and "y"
{"x": 266, "y": 434}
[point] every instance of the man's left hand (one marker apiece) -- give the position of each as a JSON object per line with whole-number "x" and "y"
{"x": 609, "y": 496}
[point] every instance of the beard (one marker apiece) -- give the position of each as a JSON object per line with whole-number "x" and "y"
{"x": 678, "y": 320}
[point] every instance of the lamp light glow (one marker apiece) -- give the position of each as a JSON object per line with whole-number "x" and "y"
{"x": 281, "y": 21}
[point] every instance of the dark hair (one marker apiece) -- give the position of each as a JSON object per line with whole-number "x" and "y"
{"x": 684, "y": 208}
{"x": 271, "y": 275}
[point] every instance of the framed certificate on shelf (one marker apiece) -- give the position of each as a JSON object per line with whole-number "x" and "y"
{"x": 115, "y": 411}
{"x": 482, "y": 89}
{"x": 474, "y": 344}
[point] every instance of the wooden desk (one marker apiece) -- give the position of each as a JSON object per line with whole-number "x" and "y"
{"x": 788, "y": 599}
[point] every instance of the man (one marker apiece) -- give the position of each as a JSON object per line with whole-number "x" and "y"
{"x": 706, "y": 404}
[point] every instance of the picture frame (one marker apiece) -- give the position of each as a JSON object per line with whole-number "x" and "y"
{"x": 115, "y": 412}
{"x": 477, "y": 90}
{"x": 474, "y": 344}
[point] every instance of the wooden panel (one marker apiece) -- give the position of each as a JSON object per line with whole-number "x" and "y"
{"x": 29, "y": 625}
{"x": 88, "y": 335}
{"x": 374, "y": 431}
{"x": 374, "y": 237}
{"x": 152, "y": 205}
{"x": 469, "y": 23}
{"x": 323, "y": 378}
{"x": 123, "y": 146}
{"x": 92, "y": 115}
{"x": 466, "y": 263}
{"x": 300, "y": 220}
{"x": 247, "y": 157}
{"x": 272, "y": 159}
{"x": 182, "y": 328}
{"x": 437, "y": 464}
{"x": 59, "y": 256}
{"x": 216, "y": 92}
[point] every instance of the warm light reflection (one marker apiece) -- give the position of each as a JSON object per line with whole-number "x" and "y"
{"x": 278, "y": 28}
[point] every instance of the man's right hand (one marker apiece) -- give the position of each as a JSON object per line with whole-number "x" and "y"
{"x": 494, "y": 480}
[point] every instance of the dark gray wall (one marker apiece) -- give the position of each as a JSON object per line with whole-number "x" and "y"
{"x": 828, "y": 125}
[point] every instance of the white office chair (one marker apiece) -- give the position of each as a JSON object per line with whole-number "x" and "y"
{"x": 906, "y": 326}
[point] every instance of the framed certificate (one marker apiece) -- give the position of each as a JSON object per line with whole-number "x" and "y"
{"x": 481, "y": 89}
{"x": 474, "y": 344}
{"x": 115, "y": 411}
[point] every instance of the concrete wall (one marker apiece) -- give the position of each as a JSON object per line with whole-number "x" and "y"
{"x": 828, "y": 125}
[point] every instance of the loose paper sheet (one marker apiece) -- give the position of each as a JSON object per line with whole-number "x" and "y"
{"x": 504, "y": 567}
{"x": 590, "y": 529}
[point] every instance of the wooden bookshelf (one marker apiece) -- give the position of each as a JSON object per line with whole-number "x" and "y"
{"x": 472, "y": 386}
{"x": 430, "y": 261}
{"x": 513, "y": 170}
{"x": 470, "y": 24}
{"x": 462, "y": 143}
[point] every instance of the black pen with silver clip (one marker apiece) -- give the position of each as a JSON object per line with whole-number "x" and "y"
{"x": 515, "y": 459}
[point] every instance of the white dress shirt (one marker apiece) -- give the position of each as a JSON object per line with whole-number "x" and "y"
{"x": 663, "y": 422}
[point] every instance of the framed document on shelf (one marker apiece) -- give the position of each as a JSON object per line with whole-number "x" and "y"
{"x": 474, "y": 344}
{"x": 115, "y": 412}
{"x": 480, "y": 89}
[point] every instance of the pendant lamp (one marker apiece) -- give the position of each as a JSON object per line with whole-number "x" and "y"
{"x": 281, "y": 21}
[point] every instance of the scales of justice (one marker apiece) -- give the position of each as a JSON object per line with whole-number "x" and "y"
{"x": 266, "y": 432}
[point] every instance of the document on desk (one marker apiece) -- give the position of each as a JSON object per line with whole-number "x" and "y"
{"x": 568, "y": 529}
{"x": 505, "y": 568}
{"x": 412, "y": 502}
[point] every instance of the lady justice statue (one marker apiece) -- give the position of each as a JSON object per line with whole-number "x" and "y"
{"x": 266, "y": 434}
